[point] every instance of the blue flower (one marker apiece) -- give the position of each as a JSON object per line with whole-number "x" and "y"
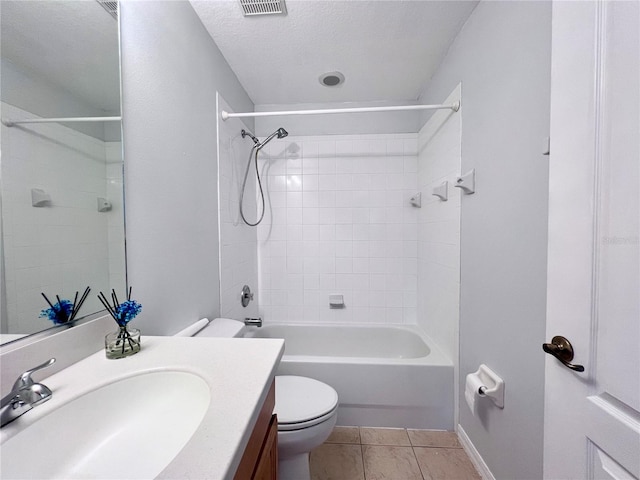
{"x": 127, "y": 311}
{"x": 60, "y": 313}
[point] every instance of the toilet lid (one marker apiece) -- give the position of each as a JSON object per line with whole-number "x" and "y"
{"x": 301, "y": 399}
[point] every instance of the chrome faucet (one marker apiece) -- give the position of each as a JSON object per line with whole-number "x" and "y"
{"x": 253, "y": 322}
{"x": 24, "y": 395}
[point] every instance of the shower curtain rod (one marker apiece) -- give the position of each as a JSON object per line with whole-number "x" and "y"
{"x": 455, "y": 107}
{"x": 10, "y": 123}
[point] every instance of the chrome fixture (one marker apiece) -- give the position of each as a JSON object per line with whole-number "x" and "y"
{"x": 244, "y": 133}
{"x": 280, "y": 133}
{"x": 257, "y": 146}
{"x": 24, "y": 395}
{"x": 253, "y": 322}
{"x": 246, "y": 296}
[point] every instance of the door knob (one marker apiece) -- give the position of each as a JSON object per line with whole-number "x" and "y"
{"x": 561, "y": 348}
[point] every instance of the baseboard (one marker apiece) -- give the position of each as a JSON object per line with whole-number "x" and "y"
{"x": 474, "y": 455}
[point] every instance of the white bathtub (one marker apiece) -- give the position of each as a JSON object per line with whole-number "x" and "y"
{"x": 385, "y": 376}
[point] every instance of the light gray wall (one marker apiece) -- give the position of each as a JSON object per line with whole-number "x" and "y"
{"x": 502, "y": 57}
{"x": 171, "y": 70}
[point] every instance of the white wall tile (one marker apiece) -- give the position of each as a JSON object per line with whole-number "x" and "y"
{"x": 437, "y": 246}
{"x": 349, "y": 230}
{"x": 239, "y": 242}
{"x": 68, "y": 245}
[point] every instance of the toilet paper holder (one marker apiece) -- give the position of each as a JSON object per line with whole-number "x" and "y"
{"x": 492, "y": 385}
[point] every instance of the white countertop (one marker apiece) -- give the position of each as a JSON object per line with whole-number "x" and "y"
{"x": 239, "y": 372}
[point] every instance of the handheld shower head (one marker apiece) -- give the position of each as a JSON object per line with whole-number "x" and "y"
{"x": 280, "y": 133}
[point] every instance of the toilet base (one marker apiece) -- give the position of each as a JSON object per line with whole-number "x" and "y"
{"x": 294, "y": 468}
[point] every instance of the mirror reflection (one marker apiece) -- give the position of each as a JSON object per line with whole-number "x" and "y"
{"x": 61, "y": 169}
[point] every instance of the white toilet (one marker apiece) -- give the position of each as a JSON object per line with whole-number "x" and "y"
{"x": 307, "y": 411}
{"x": 306, "y": 408}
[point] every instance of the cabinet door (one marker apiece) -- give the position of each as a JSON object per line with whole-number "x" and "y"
{"x": 267, "y": 466}
{"x": 256, "y": 445}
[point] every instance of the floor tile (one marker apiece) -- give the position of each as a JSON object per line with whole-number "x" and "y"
{"x": 383, "y": 462}
{"x": 445, "y": 464}
{"x": 384, "y": 436}
{"x": 345, "y": 435}
{"x": 336, "y": 462}
{"x": 433, "y": 438}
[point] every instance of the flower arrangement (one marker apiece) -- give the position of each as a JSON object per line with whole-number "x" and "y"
{"x": 125, "y": 341}
{"x": 123, "y": 312}
{"x": 63, "y": 311}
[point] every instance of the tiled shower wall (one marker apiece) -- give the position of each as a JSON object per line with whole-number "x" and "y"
{"x": 115, "y": 219}
{"x": 238, "y": 242}
{"x": 439, "y": 159}
{"x": 339, "y": 221}
{"x": 63, "y": 247}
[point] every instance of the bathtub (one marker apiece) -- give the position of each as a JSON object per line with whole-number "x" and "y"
{"x": 385, "y": 376}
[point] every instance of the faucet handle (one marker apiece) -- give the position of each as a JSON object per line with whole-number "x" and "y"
{"x": 25, "y": 379}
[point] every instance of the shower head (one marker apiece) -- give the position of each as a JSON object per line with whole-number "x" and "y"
{"x": 280, "y": 133}
{"x": 244, "y": 133}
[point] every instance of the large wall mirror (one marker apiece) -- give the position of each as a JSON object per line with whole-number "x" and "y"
{"x": 62, "y": 194}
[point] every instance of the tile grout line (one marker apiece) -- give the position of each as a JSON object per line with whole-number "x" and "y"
{"x": 364, "y": 470}
{"x": 424, "y": 472}
{"x": 413, "y": 450}
{"x": 418, "y": 463}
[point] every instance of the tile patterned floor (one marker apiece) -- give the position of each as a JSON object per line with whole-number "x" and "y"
{"x": 364, "y": 453}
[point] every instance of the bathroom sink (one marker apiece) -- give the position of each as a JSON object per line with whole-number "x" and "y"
{"x": 132, "y": 428}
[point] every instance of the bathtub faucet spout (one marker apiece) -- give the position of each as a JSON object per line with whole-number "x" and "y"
{"x": 253, "y": 322}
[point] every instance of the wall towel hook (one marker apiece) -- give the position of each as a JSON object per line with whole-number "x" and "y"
{"x": 467, "y": 182}
{"x": 441, "y": 191}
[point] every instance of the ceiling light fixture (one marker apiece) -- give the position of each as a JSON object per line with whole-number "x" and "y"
{"x": 331, "y": 79}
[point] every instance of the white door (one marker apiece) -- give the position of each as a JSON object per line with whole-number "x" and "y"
{"x": 592, "y": 419}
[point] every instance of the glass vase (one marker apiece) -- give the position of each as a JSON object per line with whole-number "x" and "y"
{"x": 124, "y": 342}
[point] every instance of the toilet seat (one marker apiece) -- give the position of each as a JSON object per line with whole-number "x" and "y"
{"x": 303, "y": 402}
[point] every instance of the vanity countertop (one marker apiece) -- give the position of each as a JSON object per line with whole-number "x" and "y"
{"x": 238, "y": 371}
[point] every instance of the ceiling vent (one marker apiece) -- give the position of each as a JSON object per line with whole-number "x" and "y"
{"x": 263, "y": 7}
{"x": 110, "y": 7}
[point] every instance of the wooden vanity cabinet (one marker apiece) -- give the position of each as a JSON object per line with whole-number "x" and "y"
{"x": 260, "y": 458}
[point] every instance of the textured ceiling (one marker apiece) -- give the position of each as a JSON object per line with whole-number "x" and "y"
{"x": 72, "y": 44}
{"x": 387, "y": 50}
